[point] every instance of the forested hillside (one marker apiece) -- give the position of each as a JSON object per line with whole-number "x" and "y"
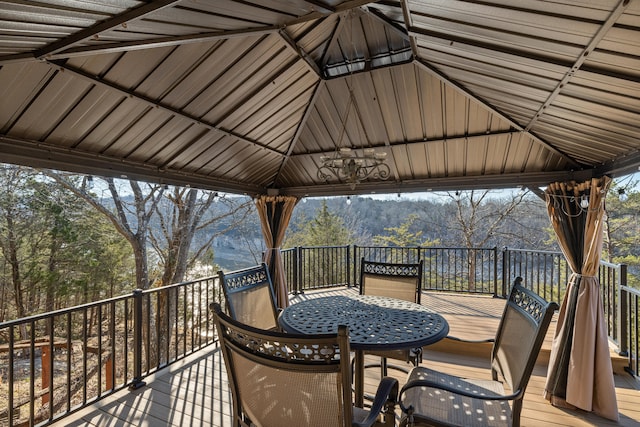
{"x": 69, "y": 239}
{"x": 437, "y": 219}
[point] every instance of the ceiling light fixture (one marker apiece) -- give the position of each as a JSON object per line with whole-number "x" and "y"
{"x": 348, "y": 164}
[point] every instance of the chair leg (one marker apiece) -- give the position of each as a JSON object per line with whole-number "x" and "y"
{"x": 383, "y": 367}
{"x": 389, "y": 414}
{"x": 516, "y": 411}
{"x": 418, "y": 356}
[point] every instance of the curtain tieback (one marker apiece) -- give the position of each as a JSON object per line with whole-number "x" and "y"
{"x": 582, "y": 276}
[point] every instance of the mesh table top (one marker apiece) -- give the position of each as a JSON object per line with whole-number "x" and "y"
{"x": 375, "y": 323}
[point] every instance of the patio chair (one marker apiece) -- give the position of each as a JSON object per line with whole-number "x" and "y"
{"x": 249, "y": 296}
{"x": 401, "y": 281}
{"x": 280, "y": 379}
{"x": 434, "y": 398}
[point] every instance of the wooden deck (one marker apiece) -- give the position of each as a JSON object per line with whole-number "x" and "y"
{"x": 194, "y": 391}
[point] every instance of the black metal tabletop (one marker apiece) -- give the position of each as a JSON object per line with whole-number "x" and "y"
{"x": 375, "y": 323}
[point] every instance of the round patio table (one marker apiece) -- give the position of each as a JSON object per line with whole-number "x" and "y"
{"x": 375, "y": 323}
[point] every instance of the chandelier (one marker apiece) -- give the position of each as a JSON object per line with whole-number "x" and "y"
{"x": 347, "y": 165}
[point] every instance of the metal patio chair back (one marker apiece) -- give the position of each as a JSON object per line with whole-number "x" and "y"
{"x": 434, "y": 398}
{"x": 250, "y": 297}
{"x": 280, "y": 379}
{"x": 394, "y": 280}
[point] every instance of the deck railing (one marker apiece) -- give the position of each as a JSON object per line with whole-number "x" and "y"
{"x": 56, "y": 363}
{"x": 545, "y": 272}
{"x": 446, "y": 269}
{"x": 628, "y": 327}
{"x": 475, "y": 270}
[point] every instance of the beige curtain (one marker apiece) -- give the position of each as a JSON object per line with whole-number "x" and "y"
{"x": 275, "y": 213}
{"x": 580, "y": 373}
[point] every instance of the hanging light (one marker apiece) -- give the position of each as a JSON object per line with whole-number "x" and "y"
{"x": 574, "y": 205}
{"x": 350, "y": 166}
{"x": 584, "y": 201}
{"x": 353, "y": 166}
{"x": 347, "y": 164}
{"x": 622, "y": 195}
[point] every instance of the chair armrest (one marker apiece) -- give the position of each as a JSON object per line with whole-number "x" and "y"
{"x": 387, "y": 392}
{"x": 487, "y": 340}
{"x": 458, "y": 391}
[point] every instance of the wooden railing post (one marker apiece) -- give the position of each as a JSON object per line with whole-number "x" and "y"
{"x": 45, "y": 373}
{"x": 109, "y": 371}
{"x": 137, "y": 341}
{"x": 46, "y": 368}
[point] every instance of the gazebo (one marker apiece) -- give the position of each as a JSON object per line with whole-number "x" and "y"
{"x": 286, "y": 99}
{"x": 247, "y": 96}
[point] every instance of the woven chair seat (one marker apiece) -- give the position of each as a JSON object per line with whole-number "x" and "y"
{"x": 432, "y": 405}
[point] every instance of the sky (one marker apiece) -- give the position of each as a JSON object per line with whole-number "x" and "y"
{"x": 623, "y": 181}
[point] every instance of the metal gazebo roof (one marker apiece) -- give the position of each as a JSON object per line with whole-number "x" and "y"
{"x": 245, "y": 96}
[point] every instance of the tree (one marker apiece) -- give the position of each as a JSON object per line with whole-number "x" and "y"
{"x": 185, "y": 212}
{"x": 133, "y": 227}
{"x": 324, "y": 229}
{"x": 622, "y": 228}
{"x": 56, "y": 247}
{"x": 478, "y": 218}
{"x": 180, "y": 213}
{"x": 404, "y": 235}
{"x": 82, "y": 255}
{"x": 16, "y": 239}
{"x": 475, "y": 221}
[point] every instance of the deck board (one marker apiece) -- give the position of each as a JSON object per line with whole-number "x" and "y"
{"x": 195, "y": 391}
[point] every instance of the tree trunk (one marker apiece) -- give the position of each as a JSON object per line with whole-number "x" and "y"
{"x": 471, "y": 269}
{"x": 16, "y": 277}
